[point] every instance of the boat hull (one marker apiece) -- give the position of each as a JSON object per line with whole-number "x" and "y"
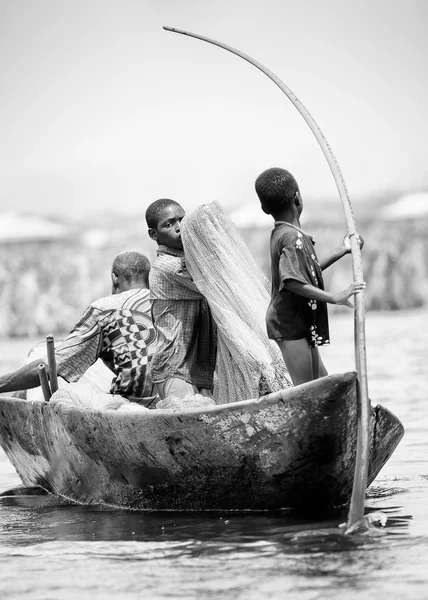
{"x": 287, "y": 450}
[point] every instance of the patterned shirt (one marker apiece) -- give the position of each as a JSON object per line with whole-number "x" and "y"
{"x": 186, "y": 346}
{"x": 119, "y": 330}
{"x": 290, "y": 316}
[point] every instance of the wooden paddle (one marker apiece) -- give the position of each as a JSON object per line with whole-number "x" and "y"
{"x": 50, "y": 347}
{"x": 43, "y": 377}
{"x": 356, "y": 511}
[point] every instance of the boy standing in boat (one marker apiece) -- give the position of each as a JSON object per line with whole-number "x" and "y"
{"x": 297, "y": 315}
{"x": 116, "y": 329}
{"x": 184, "y": 360}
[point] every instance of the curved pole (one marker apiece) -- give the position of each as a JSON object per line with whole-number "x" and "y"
{"x": 356, "y": 510}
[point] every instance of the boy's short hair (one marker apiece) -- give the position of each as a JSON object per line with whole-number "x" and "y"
{"x": 131, "y": 266}
{"x": 152, "y": 212}
{"x": 276, "y": 189}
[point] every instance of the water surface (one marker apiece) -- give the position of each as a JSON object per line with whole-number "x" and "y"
{"x": 52, "y": 550}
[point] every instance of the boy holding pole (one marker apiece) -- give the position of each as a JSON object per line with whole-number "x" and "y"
{"x": 297, "y": 315}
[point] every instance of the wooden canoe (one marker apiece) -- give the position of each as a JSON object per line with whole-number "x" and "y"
{"x": 294, "y": 448}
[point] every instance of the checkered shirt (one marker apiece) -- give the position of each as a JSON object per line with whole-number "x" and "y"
{"x": 119, "y": 330}
{"x": 186, "y": 346}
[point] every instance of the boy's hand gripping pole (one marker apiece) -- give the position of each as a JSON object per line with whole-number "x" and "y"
{"x": 356, "y": 511}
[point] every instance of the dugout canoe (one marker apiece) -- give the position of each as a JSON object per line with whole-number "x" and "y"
{"x": 292, "y": 449}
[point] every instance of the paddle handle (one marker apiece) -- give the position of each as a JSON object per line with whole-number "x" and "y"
{"x": 50, "y": 346}
{"x": 43, "y": 377}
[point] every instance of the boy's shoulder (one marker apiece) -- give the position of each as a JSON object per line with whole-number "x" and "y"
{"x": 169, "y": 278}
{"x": 287, "y": 233}
{"x": 168, "y": 258}
{"x": 169, "y": 268}
{"x": 123, "y": 300}
{"x": 284, "y": 233}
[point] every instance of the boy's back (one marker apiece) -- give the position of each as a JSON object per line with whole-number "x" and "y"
{"x": 185, "y": 356}
{"x": 290, "y": 316}
{"x": 117, "y": 329}
{"x": 186, "y": 339}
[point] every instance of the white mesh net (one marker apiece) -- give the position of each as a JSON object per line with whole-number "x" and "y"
{"x": 185, "y": 403}
{"x": 86, "y": 396}
{"x": 225, "y": 272}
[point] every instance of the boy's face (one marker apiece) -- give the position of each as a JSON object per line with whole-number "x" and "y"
{"x": 167, "y": 232}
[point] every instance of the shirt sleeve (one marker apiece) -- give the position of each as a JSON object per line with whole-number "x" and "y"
{"x": 292, "y": 266}
{"x": 81, "y": 348}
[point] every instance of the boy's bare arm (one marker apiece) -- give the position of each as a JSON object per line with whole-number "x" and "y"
{"x": 25, "y": 378}
{"x": 310, "y": 291}
{"x": 337, "y": 253}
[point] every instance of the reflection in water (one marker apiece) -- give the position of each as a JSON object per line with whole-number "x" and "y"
{"x": 52, "y": 518}
{"x": 39, "y": 519}
{"x": 203, "y": 553}
{"x": 106, "y": 552}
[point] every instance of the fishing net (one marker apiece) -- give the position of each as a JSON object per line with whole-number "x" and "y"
{"x": 88, "y": 397}
{"x": 248, "y": 363}
{"x": 185, "y": 403}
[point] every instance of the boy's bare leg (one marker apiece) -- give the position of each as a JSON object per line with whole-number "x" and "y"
{"x": 297, "y": 356}
{"x": 318, "y": 367}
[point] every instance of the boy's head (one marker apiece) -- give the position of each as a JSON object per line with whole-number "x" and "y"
{"x": 278, "y": 191}
{"x": 129, "y": 270}
{"x": 163, "y": 219}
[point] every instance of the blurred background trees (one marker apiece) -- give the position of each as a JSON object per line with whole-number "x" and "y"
{"x": 49, "y": 272}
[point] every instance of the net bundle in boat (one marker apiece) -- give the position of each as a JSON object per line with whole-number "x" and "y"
{"x": 248, "y": 363}
{"x": 85, "y": 396}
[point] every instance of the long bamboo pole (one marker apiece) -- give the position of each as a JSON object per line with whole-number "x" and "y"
{"x": 356, "y": 511}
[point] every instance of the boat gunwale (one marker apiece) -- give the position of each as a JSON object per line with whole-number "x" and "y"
{"x": 347, "y": 377}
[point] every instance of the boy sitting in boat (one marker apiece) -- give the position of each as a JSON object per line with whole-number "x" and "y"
{"x": 184, "y": 359}
{"x": 117, "y": 329}
{"x": 297, "y": 315}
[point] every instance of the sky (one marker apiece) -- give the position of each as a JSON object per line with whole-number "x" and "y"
{"x": 103, "y": 110}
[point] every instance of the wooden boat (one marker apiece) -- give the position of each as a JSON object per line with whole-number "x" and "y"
{"x": 295, "y": 448}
